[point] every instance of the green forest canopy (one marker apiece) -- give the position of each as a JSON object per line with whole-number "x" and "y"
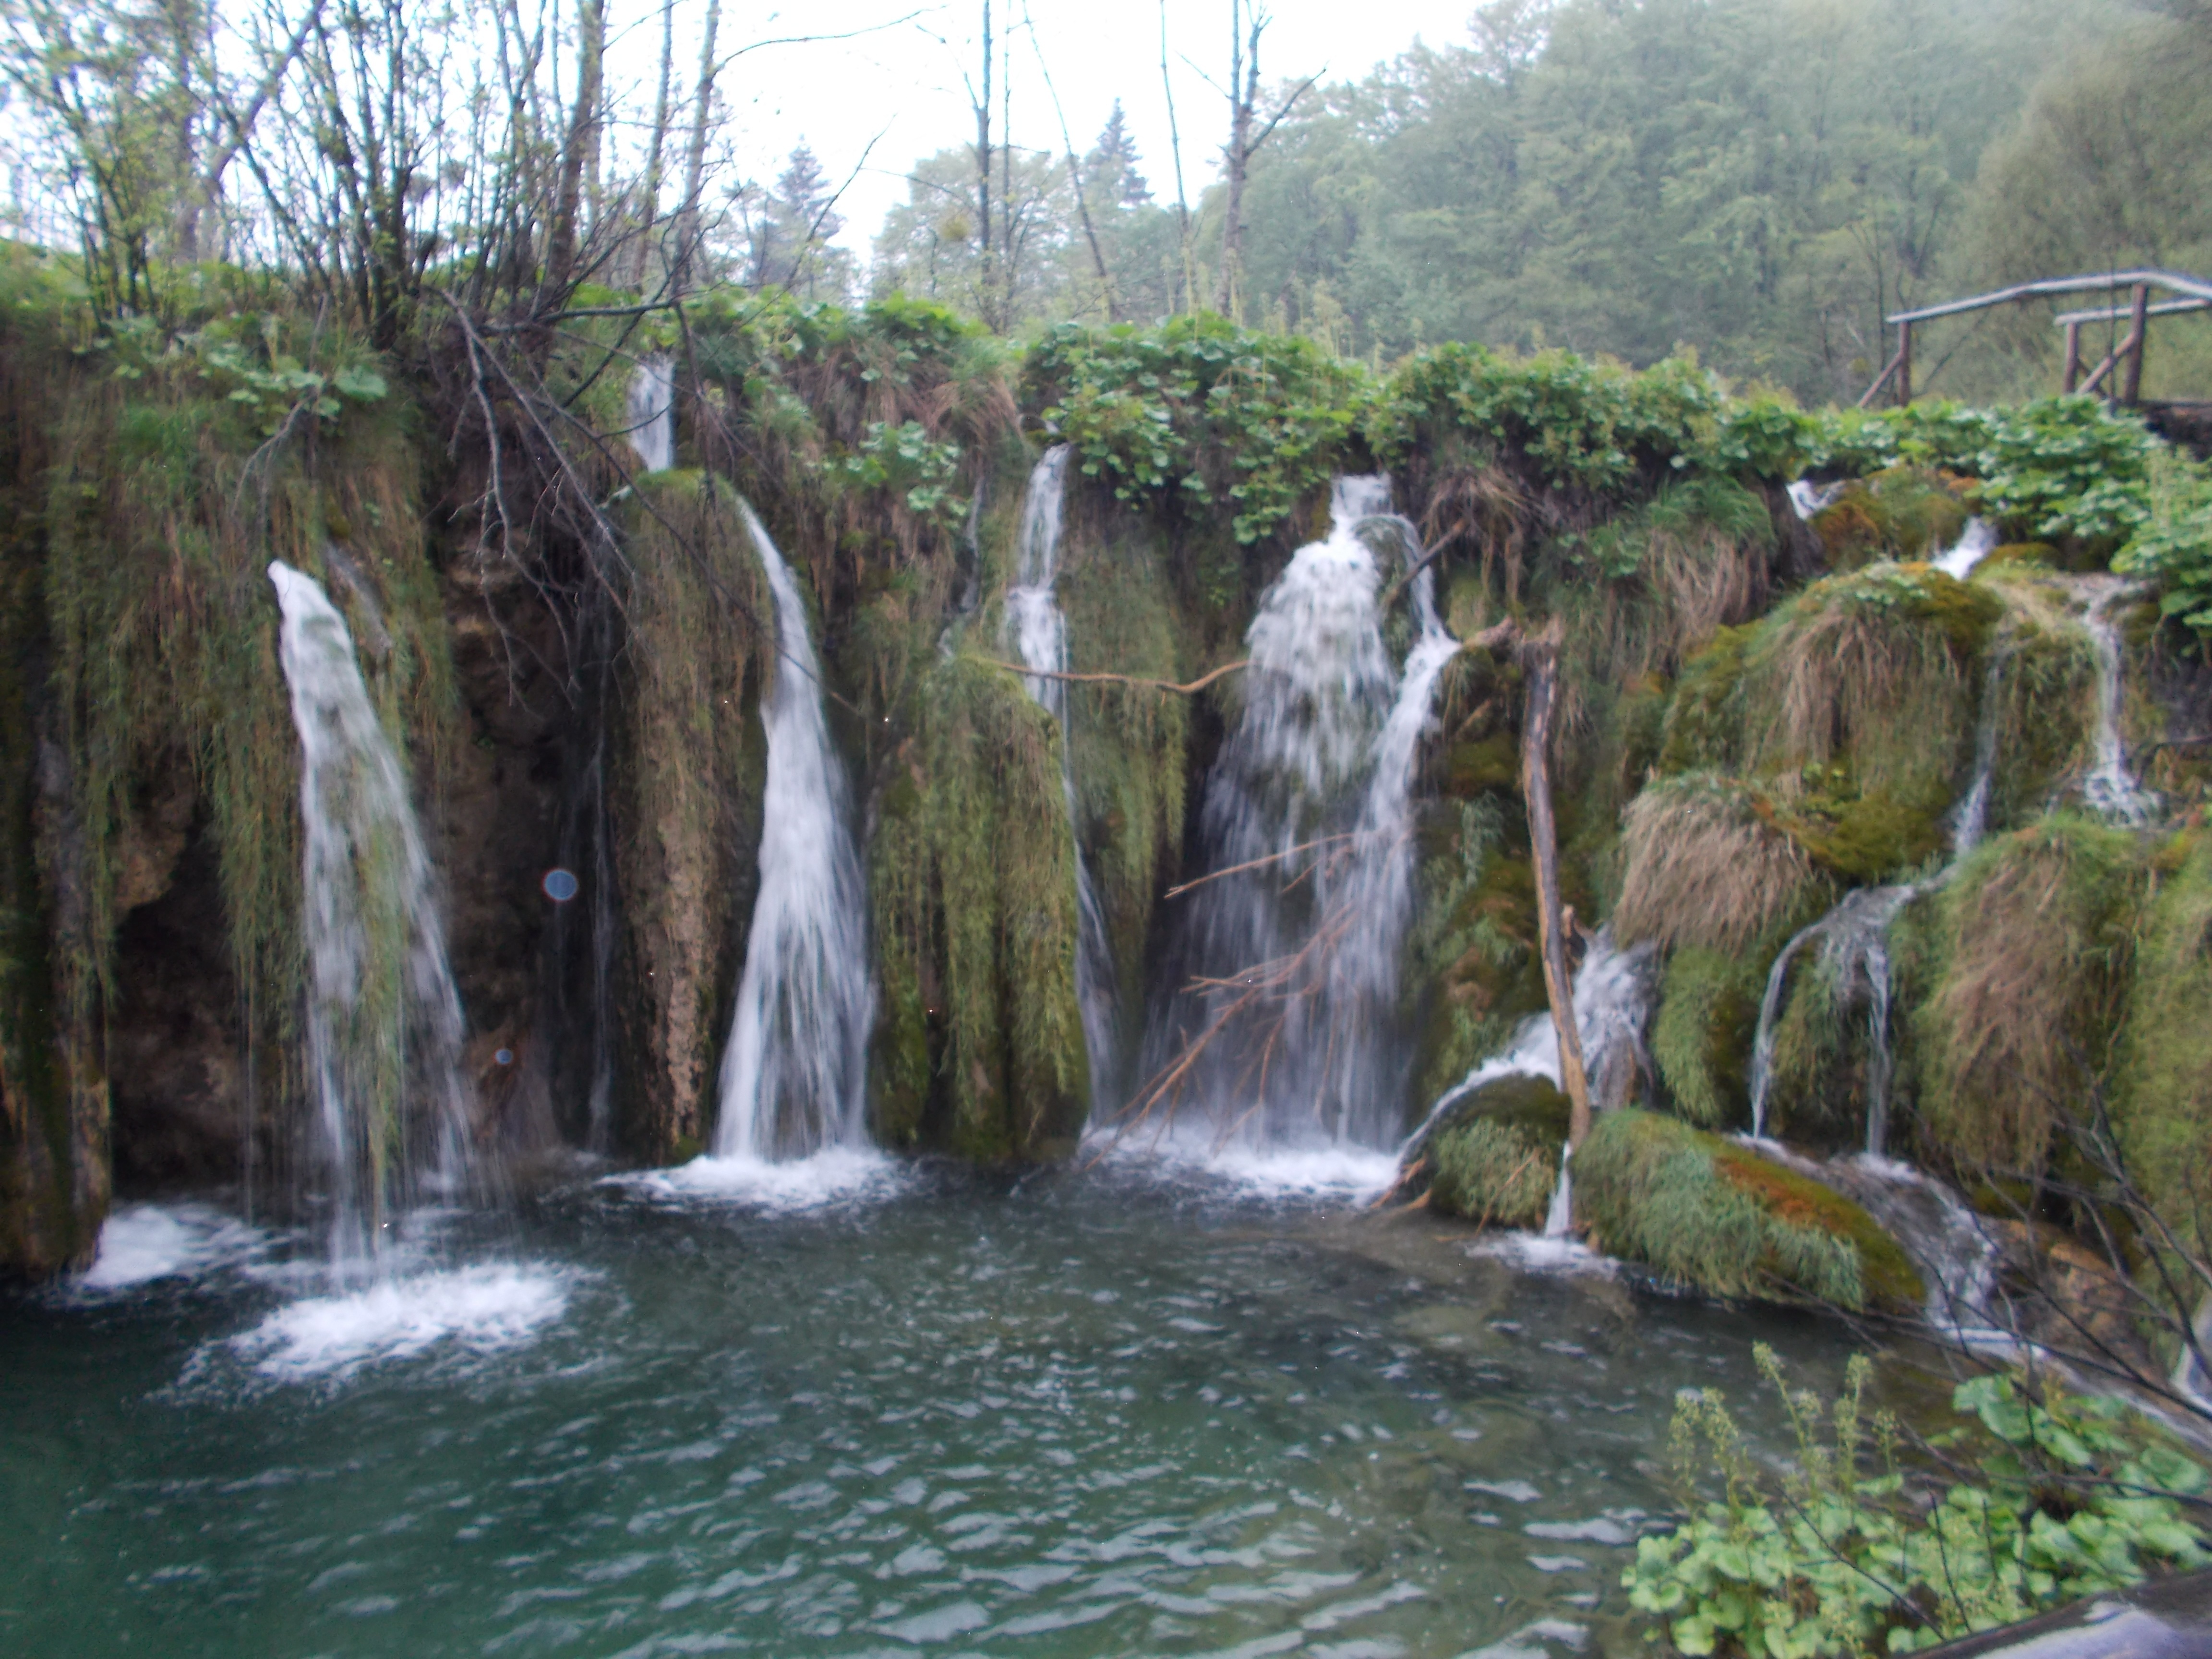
{"x": 1759, "y": 180}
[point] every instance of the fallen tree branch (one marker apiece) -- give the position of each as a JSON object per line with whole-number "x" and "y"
{"x": 1196, "y": 685}
{"x": 1258, "y": 864}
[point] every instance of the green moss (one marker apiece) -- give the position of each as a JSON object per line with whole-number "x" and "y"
{"x": 1495, "y": 1158}
{"x": 2163, "y": 1075}
{"x": 1704, "y": 724}
{"x": 2034, "y": 940}
{"x": 1864, "y": 837}
{"x": 1131, "y": 742}
{"x": 1713, "y": 1214}
{"x": 689, "y": 774}
{"x": 1701, "y": 1036}
{"x": 167, "y": 500}
{"x": 1492, "y": 1175}
{"x": 981, "y": 1049}
{"x": 1900, "y": 512}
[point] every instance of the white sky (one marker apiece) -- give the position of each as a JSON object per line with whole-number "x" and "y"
{"x": 903, "y": 81}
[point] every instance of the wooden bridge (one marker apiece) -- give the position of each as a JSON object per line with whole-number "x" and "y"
{"x": 2192, "y": 293}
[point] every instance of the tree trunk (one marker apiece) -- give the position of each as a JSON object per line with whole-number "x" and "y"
{"x": 984, "y": 268}
{"x": 694, "y": 167}
{"x": 1540, "y": 660}
{"x": 1243, "y": 95}
{"x": 650, "y": 209}
{"x": 576, "y": 157}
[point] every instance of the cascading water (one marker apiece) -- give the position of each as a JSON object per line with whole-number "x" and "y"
{"x": 652, "y": 410}
{"x": 2111, "y": 788}
{"x": 793, "y": 1073}
{"x": 1855, "y": 939}
{"x": 384, "y": 1021}
{"x": 1293, "y": 941}
{"x": 1612, "y": 1001}
{"x": 1975, "y": 544}
{"x": 1038, "y": 630}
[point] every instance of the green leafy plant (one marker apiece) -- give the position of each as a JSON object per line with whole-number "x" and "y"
{"x": 1849, "y": 1552}
{"x": 1228, "y": 416}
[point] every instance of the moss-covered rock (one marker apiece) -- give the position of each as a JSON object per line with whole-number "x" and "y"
{"x": 2035, "y": 934}
{"x": 690, "y": 771}
{"x": 1715, "y": 1214}
{"x": 1495, "y": 1159}
{"x": 980, "y": 1048}
{"x": 2163, "y": 1078}
{"x": 1900, "y": 513}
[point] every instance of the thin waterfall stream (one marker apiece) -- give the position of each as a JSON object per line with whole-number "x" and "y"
{"x": 652, "y": 410}
{"x": 795, "y": 1068}
{"x": 383, "y": 1018}
{"x": 2112, "y": 789}
{"x": 1854, "y": 937}
{"x": 1037, "y": 628}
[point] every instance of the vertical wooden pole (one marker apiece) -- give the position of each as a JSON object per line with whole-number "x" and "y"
{"x": 1540, "y": 661}
{"x": 1904, "y": 364}
{"x": 2073, "y": 356}
{"x": 2138, "y": 336}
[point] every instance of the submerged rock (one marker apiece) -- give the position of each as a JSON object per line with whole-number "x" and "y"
{"x": 1715, "y": 1214}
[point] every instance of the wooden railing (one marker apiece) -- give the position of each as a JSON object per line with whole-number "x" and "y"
{"x": 2194, "y": 292}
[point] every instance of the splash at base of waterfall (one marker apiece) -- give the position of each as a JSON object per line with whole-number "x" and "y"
{"x": 479, "y": 1309}
{"x": 1354, "y": 1174}
{"x": 835, "y": 1175}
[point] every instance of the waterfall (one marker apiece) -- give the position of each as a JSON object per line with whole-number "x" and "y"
{"x": 1612, "y": 1001}
{"x": 1293, "y": 941}
{"x": 1809, "y": 500}
{"x": 651, "y": 412}
{"x": 1560, "y": 1215}
{"x": 2111, "y": 788}
{"x": 793, "y": 1073}
{"x": 1974, "y": 544}
{"x": 1038, "y": 630}
{"x": 1855, "y": 938}
{"x": 384, "y": 1021}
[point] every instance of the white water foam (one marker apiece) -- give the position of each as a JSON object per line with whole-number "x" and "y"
{"x": 143, "y": 1242}
{"x": 835, "y": 1174}
{"x": 1544, "y": 1253}
{"x": 482, "y": 1308}
{"x": 1268, "y": 1169}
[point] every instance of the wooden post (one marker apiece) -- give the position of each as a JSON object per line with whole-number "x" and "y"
{"x": 2138, "y": 337}
{"x": 1540, "y": 660}
{"x": 2073, "y": 356}
{"x": 1904, "y": 364}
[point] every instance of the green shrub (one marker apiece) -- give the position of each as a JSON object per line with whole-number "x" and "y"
{"x": 1843, "y": 1555}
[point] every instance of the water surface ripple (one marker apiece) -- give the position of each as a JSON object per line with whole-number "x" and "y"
{"x": 1097, "y": 1413}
